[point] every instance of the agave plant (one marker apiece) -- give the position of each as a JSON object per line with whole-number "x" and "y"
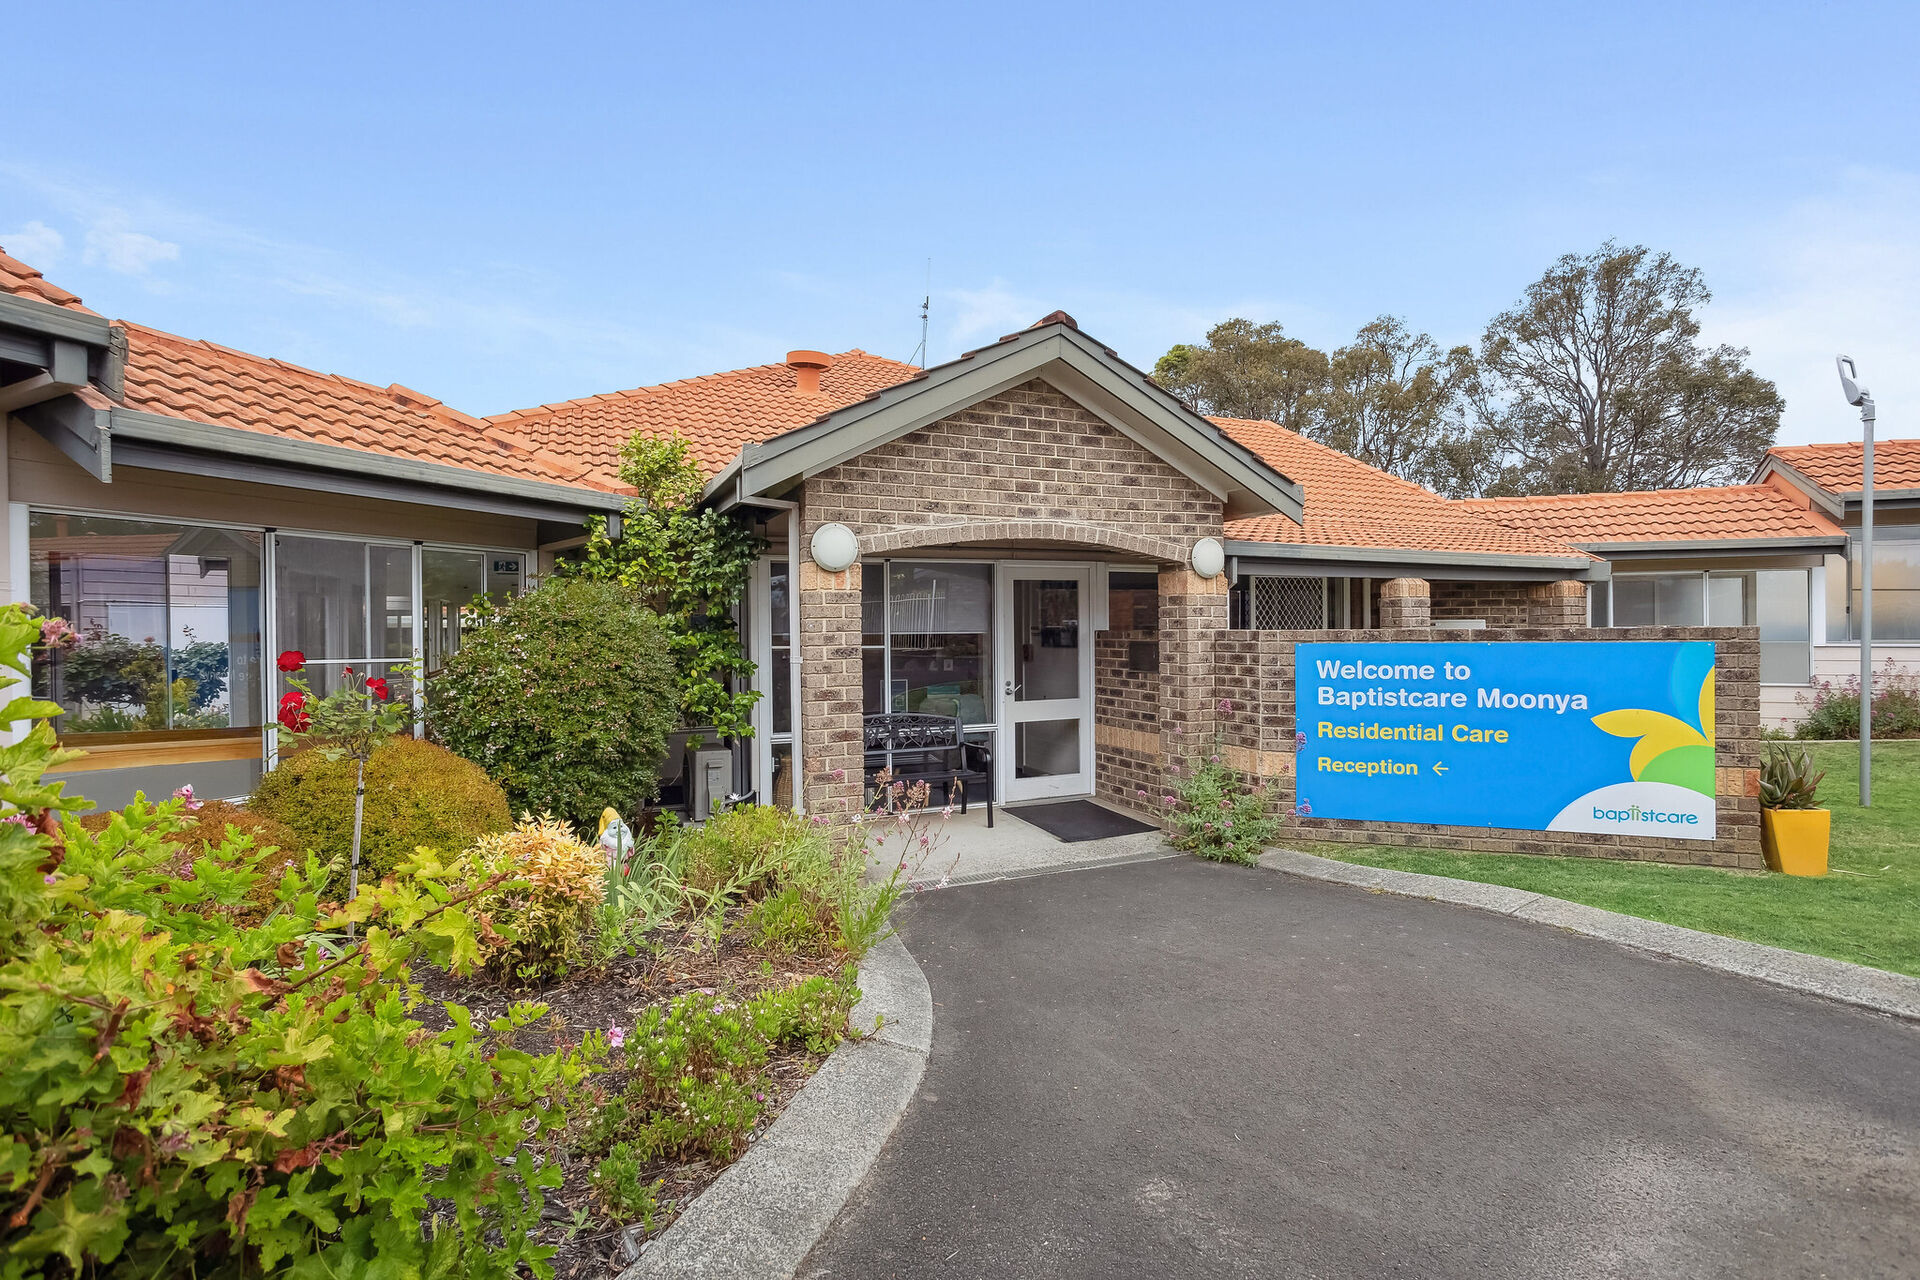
{"x": 1788, "y": 779}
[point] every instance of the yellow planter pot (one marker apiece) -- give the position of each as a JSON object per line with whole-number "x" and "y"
{"x": 1795, "y": 840}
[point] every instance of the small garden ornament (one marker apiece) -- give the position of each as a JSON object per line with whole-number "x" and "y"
{"x": 1794, "y": 833}
{"x": 346, "y": 725}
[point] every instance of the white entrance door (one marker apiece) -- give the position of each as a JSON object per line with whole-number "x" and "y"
{"x": 1045, "y": 661}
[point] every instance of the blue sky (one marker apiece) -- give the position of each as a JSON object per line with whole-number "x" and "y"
{"x": 507, "y": 207}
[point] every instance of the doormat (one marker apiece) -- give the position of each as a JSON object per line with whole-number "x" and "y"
{"x": 1073, "y": 821}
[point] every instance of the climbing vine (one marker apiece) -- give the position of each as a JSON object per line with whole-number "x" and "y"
{"x": 690, "y": 566}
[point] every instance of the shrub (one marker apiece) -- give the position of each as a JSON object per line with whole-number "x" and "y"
{"x": 1216, "y": 815}
{"x": 622, "y": 1191}
{"x": 1833, "y": 711}
{"x": 547, "y": 910}
{"x": 752, "y": 848}
{"x": 566, "y": 695}
{"x": 418, "y": 794}
{"x": 789, "y": 921}
{"x": 207, "y": 827}
{"x": 696, "y": 1084}
{"x": 183, "y": 1095}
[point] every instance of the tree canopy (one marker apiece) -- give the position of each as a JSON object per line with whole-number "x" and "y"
{"x": 1595, "y": 380}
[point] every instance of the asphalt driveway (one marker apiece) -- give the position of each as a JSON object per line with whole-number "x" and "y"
{"x": 1178, "y": 1069}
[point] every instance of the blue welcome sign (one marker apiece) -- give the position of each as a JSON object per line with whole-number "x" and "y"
{"x": 1596, "y": 736}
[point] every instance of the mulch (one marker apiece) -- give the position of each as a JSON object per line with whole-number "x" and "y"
{"x": 676, "y": 962}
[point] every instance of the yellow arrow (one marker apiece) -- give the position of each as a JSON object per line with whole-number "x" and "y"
{"x": 1438, "y": 767}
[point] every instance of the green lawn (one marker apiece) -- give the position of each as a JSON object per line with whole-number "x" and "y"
{"x": 1867, "y": 908}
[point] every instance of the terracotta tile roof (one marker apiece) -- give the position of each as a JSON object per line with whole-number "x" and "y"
{"x": 1350, "y": 504}
{"x": 1836, "y": 467}
{"x": 185, "y": 378}
{"x": 1731, "y": 513}
{"x": 718, "y": 414}
{"x": 21, "y": 280}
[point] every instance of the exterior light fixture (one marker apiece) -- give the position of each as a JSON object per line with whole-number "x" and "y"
{"x": 834, "y": 547}
{"x": 1209, "y": 557}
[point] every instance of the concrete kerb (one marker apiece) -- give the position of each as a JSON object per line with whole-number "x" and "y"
{"x": 1876, "y": 989}
{"x": 760, "y": 1218}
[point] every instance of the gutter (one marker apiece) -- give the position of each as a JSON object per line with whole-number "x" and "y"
{"x": 1815, "y": 542}
{"x": 1587, "y": 567}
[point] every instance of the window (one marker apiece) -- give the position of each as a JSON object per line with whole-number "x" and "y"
{"x": 1775, "y": 600}
{"x": 343, "y": 603}
{"x": 1657, "y": 600}
{"x": 1599, "y": 604}
{"x": 1896, "y": 589}
{"x": 1782, "y": 614}
{"x": 169, "y": 620}
{"x": 1287, "y": 604}
{"x": 926, "y": 642}
{"x": 450, "y": 582}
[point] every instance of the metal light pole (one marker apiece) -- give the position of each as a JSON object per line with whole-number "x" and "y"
{"x": 1858, "y": 396}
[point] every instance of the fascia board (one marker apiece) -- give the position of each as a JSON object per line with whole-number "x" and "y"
{"x": 131, "y": 424}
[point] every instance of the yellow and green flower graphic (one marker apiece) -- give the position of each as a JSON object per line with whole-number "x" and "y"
{"x": 1671, "y": 749}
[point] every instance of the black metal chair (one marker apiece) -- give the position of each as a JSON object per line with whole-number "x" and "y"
{"x": 932, "y": 749}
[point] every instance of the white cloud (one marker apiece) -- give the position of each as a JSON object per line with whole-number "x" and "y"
{"x": 989, "y": 312}
{"x": 1840, "y": 273}
{"x": 131, "y": 253}
{"x": 36, "y": 244}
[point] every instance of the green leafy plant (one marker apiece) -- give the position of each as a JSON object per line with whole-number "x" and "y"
{"x": 181, "y": 1094}
{"x": 209, "y": 825}
{"x": 789, "y": 921}
{"x": 547, "y": 894}
{"x": 1788, "y": 779}
{"x": 415, "y": 794}
{"x": 695, "y": 1069}
{"x": 566, "y": 695}
{"x": 690, "y": 566}
{"x": 622, "y": 1190}
{"x": 1216, "y": 815}
{"x": 346, "y": 725}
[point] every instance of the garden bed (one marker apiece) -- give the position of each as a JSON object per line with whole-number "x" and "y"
{"x": 675, "y": 961}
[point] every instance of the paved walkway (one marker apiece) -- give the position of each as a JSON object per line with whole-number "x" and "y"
{"x": 975, "y": 852}
{"x": 1177, "y": 1069}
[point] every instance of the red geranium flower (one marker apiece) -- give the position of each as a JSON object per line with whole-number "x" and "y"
{"x": 378, "y": 688}
{"x": 292, "y": 660}
{"x": 293, "y": 712}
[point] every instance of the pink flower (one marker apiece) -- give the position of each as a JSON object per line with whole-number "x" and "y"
{"x": 1207, "y": 826}
{"x": 185, "y": 793}
{"x": 839, "y": 775}
{"x": 1226, "y": 824}
{"x": 1226, "y": 704}
{"x": 946, "y": 813}
{"x": 1169, "y": 799}
{"x": 49, "y": 878}
{"x": 819, "y": 819}
{"x": 1213, "y": 759}
{"x": 905, "y": 817}
{"x": 19, "y": 819}
{"x": 56, "y": 634}
{"x": 1141, "y": 792}
{"x": 616, "y": 1038}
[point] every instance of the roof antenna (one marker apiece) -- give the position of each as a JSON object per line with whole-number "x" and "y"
{"x": 919, "y": 356}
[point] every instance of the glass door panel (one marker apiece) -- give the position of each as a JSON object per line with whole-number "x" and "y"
{"x": 1046, "y": 703}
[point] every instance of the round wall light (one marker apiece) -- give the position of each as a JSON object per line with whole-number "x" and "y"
{"x": 834, "y": 547}
{"x": 1209, "y": 557}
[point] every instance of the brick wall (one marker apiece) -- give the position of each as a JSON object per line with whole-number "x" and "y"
{"x": 1502, "y": 604}
{"x": 1029, "y": 453}
{"x": 1255, "y": 669}
{"x": 1126, "y": 718}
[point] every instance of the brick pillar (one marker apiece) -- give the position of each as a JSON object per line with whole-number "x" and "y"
{"x": 1193, "y": 611}
{"x": 1557, "y": 604}
{"x": 1405, "y": 602}
{"x": 830, "y": 690}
